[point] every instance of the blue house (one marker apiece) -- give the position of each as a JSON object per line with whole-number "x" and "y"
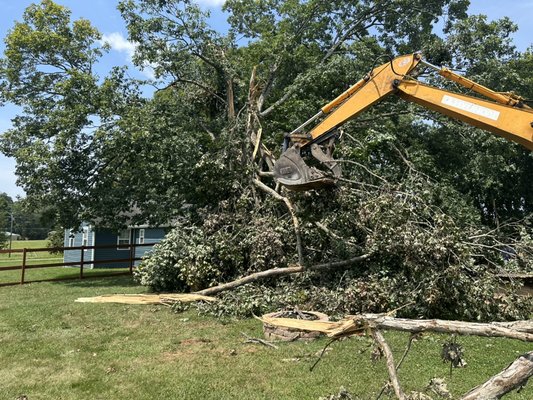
{"x": 110, "y": 245}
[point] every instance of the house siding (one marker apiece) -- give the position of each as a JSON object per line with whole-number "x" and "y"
{"x": 75, "y": 255}
{"x": 108, "y": 237}
{"x": 104, "y": 237}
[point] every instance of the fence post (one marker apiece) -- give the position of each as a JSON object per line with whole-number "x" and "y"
{"x": 82, "y": 261}
{"x": 23, "y": 270}
{"x": 132, "y": 256}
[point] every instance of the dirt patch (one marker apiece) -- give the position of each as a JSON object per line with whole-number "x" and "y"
{"x": 194, "y": 341}
{"x": 191, "y": 348}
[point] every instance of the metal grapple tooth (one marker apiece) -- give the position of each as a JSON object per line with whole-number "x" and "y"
{"x": 291, "y": 171}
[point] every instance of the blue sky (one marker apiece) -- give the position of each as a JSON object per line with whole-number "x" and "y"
{"x": 104, "y": 16}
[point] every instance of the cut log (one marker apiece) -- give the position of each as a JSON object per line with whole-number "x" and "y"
{"x": 513, "y": 377}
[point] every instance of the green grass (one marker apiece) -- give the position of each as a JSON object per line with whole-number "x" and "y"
{"x": 54, "y": 348}
{"x": 41, "y": 257}
{"x": 29, "y": 244}
{"x": 32, "y": 257}
{"x": 55, "y": 273}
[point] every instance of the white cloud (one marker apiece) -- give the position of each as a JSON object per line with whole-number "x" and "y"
{"x": 211, "y": 3}
{"x": 120, "y": 44}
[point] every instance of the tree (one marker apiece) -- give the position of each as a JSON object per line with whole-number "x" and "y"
{"x": 6, "y": 203}
{"x": 48, "y": 71}
{"x": 31, "y": 223}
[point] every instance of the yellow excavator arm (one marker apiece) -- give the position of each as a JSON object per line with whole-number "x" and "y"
{"x": 505, "y": 114}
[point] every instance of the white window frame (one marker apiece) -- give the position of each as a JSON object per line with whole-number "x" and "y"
{"x": 85, "y": 236}
{"x": 141, "y": 236}
{"x": 122, "y": 240}
{"x": 71, "y": 238}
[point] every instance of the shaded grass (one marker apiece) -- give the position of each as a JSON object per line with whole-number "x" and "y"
{"x": 51, "y": 348}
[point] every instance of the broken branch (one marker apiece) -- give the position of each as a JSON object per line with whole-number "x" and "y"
{"x": 393, "y": 376}
{"x": 520, "y": 330}
{"x": 275, "y": 272}
{"x": 250, "y": 339}
{"x": 513, "y": 377}
{"x": 292, "y": 211}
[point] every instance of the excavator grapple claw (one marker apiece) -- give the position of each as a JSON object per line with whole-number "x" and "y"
{"x": 291, "y": 170}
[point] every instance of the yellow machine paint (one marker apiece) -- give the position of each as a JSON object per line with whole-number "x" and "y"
{"x": 505, "y": 114}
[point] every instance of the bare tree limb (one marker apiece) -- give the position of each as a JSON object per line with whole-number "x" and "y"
{"x": 391, "y": 367}
{"x": 511, "y": 330}
{"x": 278, "y": 102}
{"x": 292, "y": 211}
{"x": 277, "y": 272}
{"x": 513, "y": 377}
{"x": 351, "y": 324}
{"x": 409, "y": 344}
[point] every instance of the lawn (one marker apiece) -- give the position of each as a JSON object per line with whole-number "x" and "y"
{"x": 54, "y": 348}
{"x": 32, "y": 257}
{"x": 42, "y": 257}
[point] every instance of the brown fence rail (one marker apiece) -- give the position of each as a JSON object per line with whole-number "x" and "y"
{"x": 81, "y": 263}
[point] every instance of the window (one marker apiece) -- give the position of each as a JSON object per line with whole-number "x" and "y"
{"x": 123, "y": 238}
{"x": 71, "y": 237}
{"x": 85, "y": 236}
{"x": 141, "y": 236}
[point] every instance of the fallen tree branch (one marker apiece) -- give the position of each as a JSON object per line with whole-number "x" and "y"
{"x": 393, "y": 376}
{"x": 520, "y": 330}
{"x": 510, "y": 330}
{"x": 409, "y": 344}
{"x": 250, "y": 339}
{"x": 276, "y": 272}
{"x": 292, "y": 211}
{"x": 513, "y": 377}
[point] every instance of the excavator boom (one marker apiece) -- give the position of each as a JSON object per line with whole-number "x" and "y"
{"x": 505, "y": 115}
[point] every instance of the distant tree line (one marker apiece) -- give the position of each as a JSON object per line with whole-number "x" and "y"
{"x": 29, "y": 224}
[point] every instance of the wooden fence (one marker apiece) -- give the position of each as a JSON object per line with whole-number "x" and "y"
{"x": 23, "y": 267}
